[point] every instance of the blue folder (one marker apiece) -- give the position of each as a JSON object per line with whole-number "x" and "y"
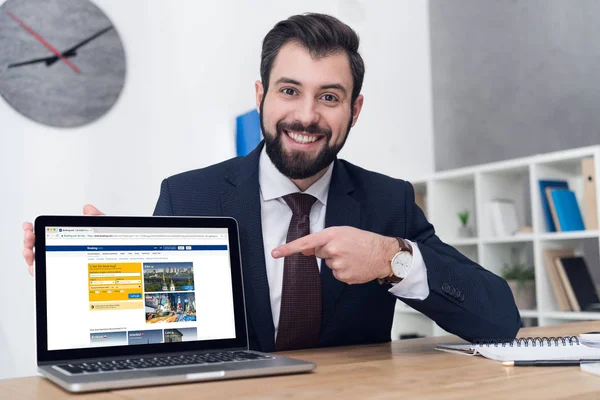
{"x": 545, "y": 206}
{"x": 247, "y": 132}
{"x": 567, "y": 210}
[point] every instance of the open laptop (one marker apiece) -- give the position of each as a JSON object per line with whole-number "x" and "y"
{"x": 138, "y": 301}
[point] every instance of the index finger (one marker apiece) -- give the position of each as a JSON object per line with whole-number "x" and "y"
{"x": 308, "y": 242}
{"x": 27, "y": 226}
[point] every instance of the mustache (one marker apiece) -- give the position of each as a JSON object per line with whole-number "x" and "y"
{"x": 300, "y": 127}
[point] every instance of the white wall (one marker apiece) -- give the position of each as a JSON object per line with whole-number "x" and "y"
{"x": 191, "y": 69}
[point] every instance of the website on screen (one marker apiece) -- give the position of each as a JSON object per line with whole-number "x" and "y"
{"x": 131, "y": 286}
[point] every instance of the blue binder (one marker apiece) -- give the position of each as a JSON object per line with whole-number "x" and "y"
{"x": 567, "y": 210}
{"x": 247, "y": 132}
{"x": 545, "y": 206}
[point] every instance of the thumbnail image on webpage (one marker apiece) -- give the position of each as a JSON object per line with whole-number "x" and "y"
{"x": 168, "y": 276}
{"x": 169, "y": 292}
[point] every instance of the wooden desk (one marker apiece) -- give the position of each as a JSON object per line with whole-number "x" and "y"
{"x": 408, "y": 369}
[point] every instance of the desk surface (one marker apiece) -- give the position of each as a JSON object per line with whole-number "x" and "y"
{"x": 401, "y": 369}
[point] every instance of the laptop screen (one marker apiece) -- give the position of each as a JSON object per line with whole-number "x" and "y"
{"x": 126, "y": 286}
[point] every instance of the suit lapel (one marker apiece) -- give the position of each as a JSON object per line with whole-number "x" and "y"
{"x": 242, "y": 201}
{"x": 342, "y": 210}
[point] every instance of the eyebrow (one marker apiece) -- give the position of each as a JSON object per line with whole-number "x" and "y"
{"x": 288, "y": 80}
{"x": 335, "y": 86}
{"x": 328, "y": 86}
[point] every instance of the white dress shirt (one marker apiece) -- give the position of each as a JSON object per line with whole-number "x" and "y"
{"x": 276, "y": 216}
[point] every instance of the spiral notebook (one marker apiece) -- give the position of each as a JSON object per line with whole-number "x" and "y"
{"x": 527, "y": 349}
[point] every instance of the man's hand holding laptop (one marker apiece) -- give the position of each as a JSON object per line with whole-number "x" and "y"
{"x": 29, "y": 236}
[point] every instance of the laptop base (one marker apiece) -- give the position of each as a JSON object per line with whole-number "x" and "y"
{"x": 278, "y": 365}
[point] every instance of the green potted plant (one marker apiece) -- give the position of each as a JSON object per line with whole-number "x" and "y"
{"x": 521, "y": 280}
{"x": 464, "y": 230}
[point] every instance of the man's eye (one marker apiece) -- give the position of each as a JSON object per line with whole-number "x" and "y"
{"x": 288, "y": 91}
{"x": 329, "y": 97}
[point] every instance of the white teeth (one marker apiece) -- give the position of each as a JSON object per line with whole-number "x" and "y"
{"x": 298, "y": 138}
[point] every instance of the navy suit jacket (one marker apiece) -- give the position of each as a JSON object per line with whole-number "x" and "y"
{"x": 464, "y": 298}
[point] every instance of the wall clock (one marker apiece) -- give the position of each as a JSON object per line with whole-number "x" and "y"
{"x": 62, "y": 62}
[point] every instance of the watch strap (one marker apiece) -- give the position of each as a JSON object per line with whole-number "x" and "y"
{"x": 404, "y": 245}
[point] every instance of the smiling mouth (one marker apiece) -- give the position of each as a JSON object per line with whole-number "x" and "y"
{"x": 302, "y": 138}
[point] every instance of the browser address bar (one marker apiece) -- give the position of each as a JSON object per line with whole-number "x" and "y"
{"x": 145, "y": 235}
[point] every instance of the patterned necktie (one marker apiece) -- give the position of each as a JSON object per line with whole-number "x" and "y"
{"x": 300, "y": 314}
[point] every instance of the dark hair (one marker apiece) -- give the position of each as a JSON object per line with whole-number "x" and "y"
{"x": 321, "y": 35}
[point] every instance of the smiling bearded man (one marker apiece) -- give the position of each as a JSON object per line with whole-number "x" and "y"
{"x": 328, "y": 247}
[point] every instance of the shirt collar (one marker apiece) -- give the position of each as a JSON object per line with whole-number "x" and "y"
{"x": 273, "y": 184}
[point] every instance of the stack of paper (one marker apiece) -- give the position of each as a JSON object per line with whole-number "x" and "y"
{"x": 590, "y": 367}
{"x": 546, "y": 349}
{"x": 590, "y": 339}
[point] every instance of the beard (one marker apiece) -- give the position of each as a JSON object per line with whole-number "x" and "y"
{"x": 298, "y": 164}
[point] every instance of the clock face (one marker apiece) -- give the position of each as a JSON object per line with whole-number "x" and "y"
{"x": 62, "y": 62}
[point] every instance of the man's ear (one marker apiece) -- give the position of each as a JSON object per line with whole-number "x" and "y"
{"x": 358, "y": 103}
{"x": 260, "y": 92}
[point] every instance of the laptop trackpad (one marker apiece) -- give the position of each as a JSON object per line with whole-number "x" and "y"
{"x": 197, "y": 372}
{"x": 214, "y": 371}
{"x": 200, "y": 376}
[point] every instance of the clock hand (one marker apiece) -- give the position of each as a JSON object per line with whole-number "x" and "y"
{"x": 86, "y": 41}
{"x": 44, "y": 42}
{"x": 72, "y": 52}
{"x": 52, "y": 60}
{"x": 48, "y": 60}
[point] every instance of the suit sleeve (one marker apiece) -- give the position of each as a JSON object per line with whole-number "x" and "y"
{"x": 164, "y": 207}
{"x": 464, "y": 298}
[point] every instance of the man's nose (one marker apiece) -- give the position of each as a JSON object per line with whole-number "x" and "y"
{"x": 307, "y": 112}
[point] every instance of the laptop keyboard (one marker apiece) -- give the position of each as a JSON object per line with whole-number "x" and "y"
{"x": 160, "y": 362}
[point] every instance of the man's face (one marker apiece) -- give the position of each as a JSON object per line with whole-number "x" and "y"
{"x": 306, "y": 113}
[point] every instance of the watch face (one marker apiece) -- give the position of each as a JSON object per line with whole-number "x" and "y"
{"x": 401, "y": 264}
{"x": 62, "y": 62}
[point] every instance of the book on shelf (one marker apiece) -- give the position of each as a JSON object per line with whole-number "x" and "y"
{"x": 578, "y": 283}
{"x": 248, "y": 133}
{"x": 504, "y": 217}
{"x": 550, "y": 257}
{"x": 590, "y": 204}
{"x": 565, "y": 210}
{"x": 547, "y": 183}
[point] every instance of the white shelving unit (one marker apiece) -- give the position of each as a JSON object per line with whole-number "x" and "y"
{"x": 448, "y": 192}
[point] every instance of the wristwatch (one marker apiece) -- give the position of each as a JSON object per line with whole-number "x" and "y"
{"x": 400, "y": 263}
